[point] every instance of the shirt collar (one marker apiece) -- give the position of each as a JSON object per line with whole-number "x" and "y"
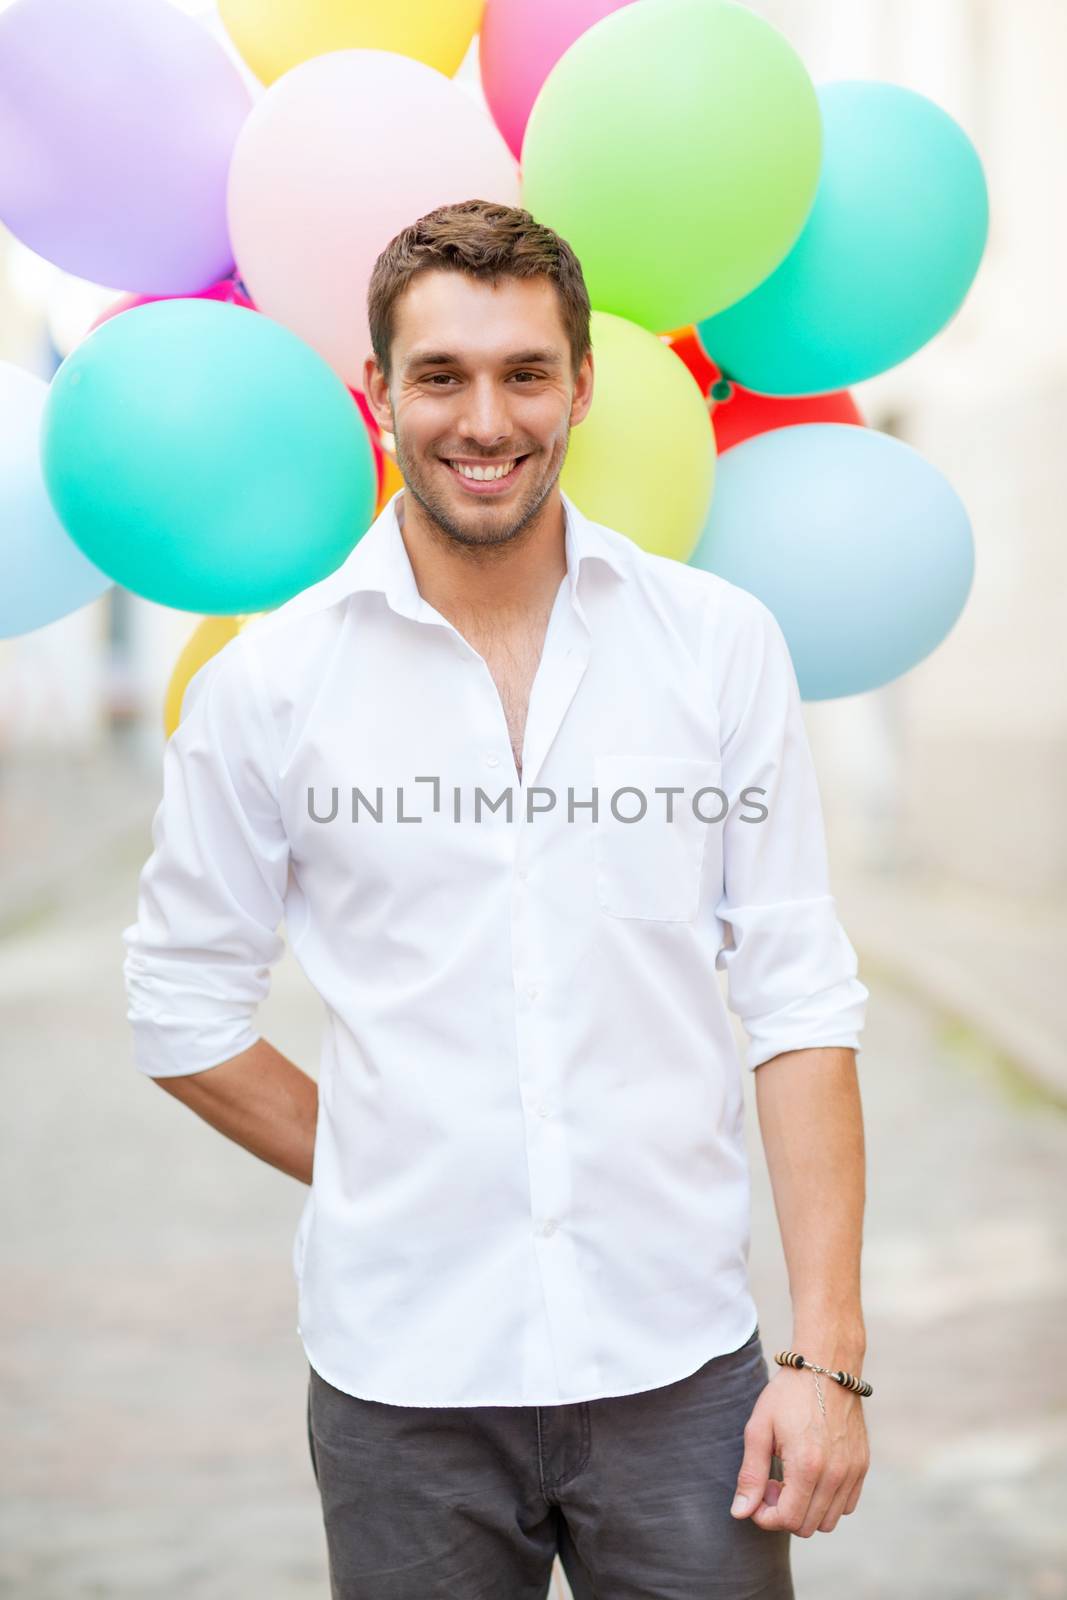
{"x": 380, "y": 561}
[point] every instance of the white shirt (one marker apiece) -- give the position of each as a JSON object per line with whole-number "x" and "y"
{"x": 530, "y": 1181}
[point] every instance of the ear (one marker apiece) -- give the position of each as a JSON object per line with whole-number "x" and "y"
{"x": 583, "y": 390}
{"x": 377, "y": 392}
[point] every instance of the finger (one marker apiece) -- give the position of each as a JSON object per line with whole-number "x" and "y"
{"x": 755, "y": 1467}
{"x": 837, "y": 1507}
{"x": 772, "y": 1491}
{"x": 825, "y": 1493}
{"x": 853, "y": 1500}
{"x": 793, "y": 1499}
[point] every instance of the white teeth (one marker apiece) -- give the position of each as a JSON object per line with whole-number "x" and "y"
{"x": 482, "y": 474}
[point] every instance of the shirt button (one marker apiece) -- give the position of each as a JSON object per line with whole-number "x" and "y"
{"x": 549, "y": 1227}
{"x": 533, "y": 991}
{"x": 522, "y": 874}
{"x": 542, "y": 1111}
{"x": 492, "y": 761}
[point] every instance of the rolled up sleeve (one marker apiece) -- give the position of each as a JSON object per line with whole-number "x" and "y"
{"x": 791, "y": 969}
{"x": 212, "y": 893}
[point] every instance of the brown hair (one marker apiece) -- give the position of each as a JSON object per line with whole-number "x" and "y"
{"x": 490, "y": 242}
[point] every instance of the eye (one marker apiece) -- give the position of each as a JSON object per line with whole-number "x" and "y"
{"x": 534, "y": 375}
{"x": 445, "y": 375}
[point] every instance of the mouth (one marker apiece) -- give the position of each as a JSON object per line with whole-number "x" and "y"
{"x": 488, "y": 485}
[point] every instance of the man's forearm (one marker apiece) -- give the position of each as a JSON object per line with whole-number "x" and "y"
{"x": 811, "y": 1120}
{"x": 261, "y": 1100}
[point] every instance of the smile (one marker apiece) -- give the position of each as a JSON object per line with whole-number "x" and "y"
{"x": 491, "y": 480}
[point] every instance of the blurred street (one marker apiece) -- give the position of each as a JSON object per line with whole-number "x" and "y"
{"x": 154, "y": 1384}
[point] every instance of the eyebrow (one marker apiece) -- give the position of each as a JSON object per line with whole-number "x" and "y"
{"x": 445, "y": 358}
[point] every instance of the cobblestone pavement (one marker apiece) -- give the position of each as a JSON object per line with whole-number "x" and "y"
{"x": 151, "y": 1403}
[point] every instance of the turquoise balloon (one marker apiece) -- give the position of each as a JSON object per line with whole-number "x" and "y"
{"x": 885, "y": 259}
{"x": 206, "y": 457}
{"x": 858, "y": 545}
{"x": 45, "y": 574}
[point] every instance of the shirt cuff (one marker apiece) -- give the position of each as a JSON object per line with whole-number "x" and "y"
{"x": 191, "y": 1039}
{"x": 792, "y": 978}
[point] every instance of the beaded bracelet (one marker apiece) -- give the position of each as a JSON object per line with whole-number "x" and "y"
{"x": 847, "y": 1380}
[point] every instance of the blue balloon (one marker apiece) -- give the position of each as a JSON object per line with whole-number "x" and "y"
{"x": 46, "y": 576}
{"x": 885, "y": 259}
{"x": 858, "y": 545}
{"x": 206, "y": 457}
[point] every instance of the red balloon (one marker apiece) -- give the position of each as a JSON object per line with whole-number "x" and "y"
{"x": 231, "y": 291}
{"x": 738, "y": 413}
{"x": 685, "y": 344}
{"x": 375, "y": 433}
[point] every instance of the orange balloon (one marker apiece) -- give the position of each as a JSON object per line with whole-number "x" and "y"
{"x": 392, "y": 480}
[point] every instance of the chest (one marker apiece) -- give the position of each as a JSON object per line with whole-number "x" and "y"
{"x": 513, "y": 662}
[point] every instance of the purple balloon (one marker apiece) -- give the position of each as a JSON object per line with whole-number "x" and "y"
{"x": 117, "y": 122}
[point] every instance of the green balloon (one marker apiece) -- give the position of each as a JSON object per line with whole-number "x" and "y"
{"x": 885, "y": 259}
{"x": 205, "y": 457}
{"x": 676, "y": 146}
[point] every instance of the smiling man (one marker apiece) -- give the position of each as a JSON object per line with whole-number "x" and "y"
{"x": 575, "y": 783}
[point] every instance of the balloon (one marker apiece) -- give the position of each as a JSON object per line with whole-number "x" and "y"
{"x": 313, "y": 201}
{"x": 205, "y": 641}
{"x": 886, "y": 258}
{"x": 117, "y": 122}
{"x": 46, "y": 576}
{"x": 231, "y": 292}
{"x": 374, "y": 433}
{"x": 643, "y": 460}
{"x": 228, "y": 290}
{"x": 392, "y": 480}
{"x": 519, "y": 43}
{"x": 688, "y": 348}
{"x": 738, "y": 414}
{"x": 205, "y": 457}
{"x": 676, "y": 147}
{"x": 858, "y": 545}
{"x": 274, "y": 35}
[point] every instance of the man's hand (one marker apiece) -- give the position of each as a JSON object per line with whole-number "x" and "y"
{"x": 824, "y": 1459}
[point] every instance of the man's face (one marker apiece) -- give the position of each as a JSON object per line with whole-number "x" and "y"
{"x": 481, "y": 379}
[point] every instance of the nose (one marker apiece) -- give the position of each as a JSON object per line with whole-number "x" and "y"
{"x": 484, "y": 416}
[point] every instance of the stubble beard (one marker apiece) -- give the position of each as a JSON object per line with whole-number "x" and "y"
{"x": 436, "y": 508}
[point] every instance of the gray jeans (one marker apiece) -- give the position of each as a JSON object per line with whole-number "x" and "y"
{"x": 473, "y": 1502}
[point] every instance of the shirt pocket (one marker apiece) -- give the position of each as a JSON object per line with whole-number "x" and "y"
{"x": 652, "y": 867}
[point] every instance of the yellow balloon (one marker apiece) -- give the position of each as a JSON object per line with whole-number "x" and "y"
{"x": 206, "y": 640}
{"x": 643, "y": 461}
{"x": 274, "y": 35}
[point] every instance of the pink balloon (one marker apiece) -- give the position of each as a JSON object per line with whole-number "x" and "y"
{"x": 228, "y": 290}
{"x": 339, "y": 154}
{"x": 520, "y": 43}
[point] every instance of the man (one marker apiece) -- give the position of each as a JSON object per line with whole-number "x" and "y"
{"x": 518, "y": 788}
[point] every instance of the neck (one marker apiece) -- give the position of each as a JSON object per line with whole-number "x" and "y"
{"x": 508, "y": 577}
